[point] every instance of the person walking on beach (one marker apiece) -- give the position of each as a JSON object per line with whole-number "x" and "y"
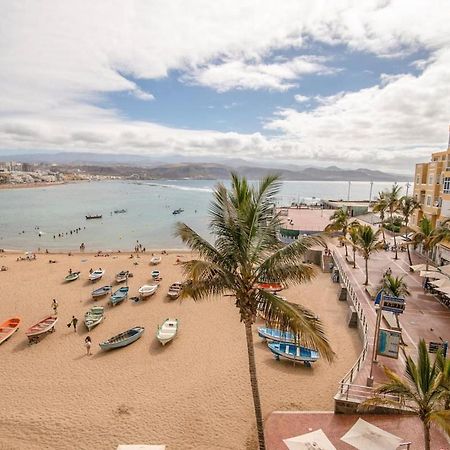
{"x": 87, "y": 344}
{"x": 73, "y": 322}
{"x": 55, "y": 307}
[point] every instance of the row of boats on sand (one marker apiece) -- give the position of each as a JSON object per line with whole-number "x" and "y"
{"x": 166, "y": 332}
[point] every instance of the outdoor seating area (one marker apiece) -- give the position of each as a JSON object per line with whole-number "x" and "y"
{"x": 436, "y": 281}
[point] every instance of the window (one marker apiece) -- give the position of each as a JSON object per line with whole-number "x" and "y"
{"x": 428, "y": 200}
{"x": 418, "y": 179}
{"x": 446, "y": 187}
{"x": 430, "y": 179}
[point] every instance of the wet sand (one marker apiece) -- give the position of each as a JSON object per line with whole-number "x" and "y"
{"x": 192, "y": 393}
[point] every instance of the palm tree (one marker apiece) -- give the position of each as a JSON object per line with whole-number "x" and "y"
{"x": 443, "y": 364}
{"x": 407, "y": 207}
{"x": 420, "y": 391}
{"x": 246, "y": 251}
{"x": 368, "y": 243}
{"x": 353, "y": 239}
{"x": 426, "y": 236}
{"x": 380, "y": 206}
{"x": 392, "y": 203}
{"x": 340, "y": 222}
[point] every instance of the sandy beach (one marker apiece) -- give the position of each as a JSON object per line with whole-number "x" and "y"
{"x": 192, "y": 393}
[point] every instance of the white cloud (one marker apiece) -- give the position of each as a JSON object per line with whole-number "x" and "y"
{"x": 142, "y": 95}
{"x": 301, "y": 98}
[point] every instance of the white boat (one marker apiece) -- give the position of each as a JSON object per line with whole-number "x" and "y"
{"x": 175, "y": 290}
{"x": 147, "y": 290}
{"x": 96, "y": 274}
{"x": 122, "y": 276}
{"x": 101, "y": 291}
{"x": 167, "y": 331}
{"x": 94, "y": 316}
{"x": 155, "y": 260}
{"x": 123, "y": 339}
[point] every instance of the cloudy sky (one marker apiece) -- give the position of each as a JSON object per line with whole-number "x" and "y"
{"x": 351, "y": 83}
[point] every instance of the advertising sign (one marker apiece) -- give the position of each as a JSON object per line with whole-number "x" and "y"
{"x": 395, "y": 305}
{"x": 389, "y": 343}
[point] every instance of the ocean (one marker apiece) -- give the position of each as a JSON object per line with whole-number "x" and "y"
{"x": 43, "y": 217}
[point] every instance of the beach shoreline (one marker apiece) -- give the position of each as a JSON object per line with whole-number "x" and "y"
{"x": 9, "y": 186}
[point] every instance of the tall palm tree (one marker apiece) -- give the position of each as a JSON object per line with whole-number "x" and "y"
{"x": 340, "y": 221}
{"x": 443, "y": 364}
{"x": 353, "y": 239}
{"x": 392, "y": 203}
{"x": 426, "y": 236}
{"x": 420, "y": 391}
{"x": 407, "y": 207}
{"x": 246, "y": 251}
{"x": 380, "y": 206}
{"x": 368, "y": 243}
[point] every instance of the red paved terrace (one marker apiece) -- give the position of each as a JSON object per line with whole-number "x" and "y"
{"x": 283, "y": 425}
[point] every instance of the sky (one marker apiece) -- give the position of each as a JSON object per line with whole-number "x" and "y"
{"x": 348, "y": 83}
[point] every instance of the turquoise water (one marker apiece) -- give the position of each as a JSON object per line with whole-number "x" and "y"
{"x": 24, "y": 213}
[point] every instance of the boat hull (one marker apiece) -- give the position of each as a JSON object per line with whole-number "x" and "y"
{"x": 100, "y": 292}
{"x": 8, "y": 328}
{"x": 276, "y": 335}
{"x": 167, "y": 331}
{"x": 122, "y": 339}
{"x": 293, "y": 352}
{"x": 119, "y": 296}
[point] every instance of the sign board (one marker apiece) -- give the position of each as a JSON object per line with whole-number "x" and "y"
{"x": 378, "y": 297}
{"x": 389, "y": 343}
{"x": 433, "y": 347}
{"x": 394, "y": 305}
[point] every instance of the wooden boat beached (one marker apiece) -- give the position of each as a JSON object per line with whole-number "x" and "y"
{"x": 156, "y": 275}
{"x": 122, "y": 339}
{"x": 147, "y": 290}
{"x": 293, "y": 352}
{"x": 155, "y": 260}
{"x": 270, "y": 287}
{"x": 94, "y": 316}
{"x": 167, "y": 331}
{"x": 101, "y": 291}
{"x": 45, "y": 325}
{"x": 119, "y": 296}
{"x": 8, "y": 328}
{"x": 122, "y": 276}
{"x": 96, "y": 274}
{"x": 175, "y": 290}
{"x": 274, "y": 334}
{"x": 72, "y": 276}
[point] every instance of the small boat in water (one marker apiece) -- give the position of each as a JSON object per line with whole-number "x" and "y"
{"x": 122, "y": 276}
{"x": 45, "y": 325}
{"x": 96, "y": 274}
{"x": 94, "y": 316}
{"x": 101, "y": 291}
{"x": 167, "y": 331}
{"x": 175, "y": 290}
{"x": 155, "y": 260}
{"x": 178, "y": 211}
{"x": 119, "y": 296}
{"x": 94, "y": 216}
{"x": 8, "y": 328}
{"x": 274, "y": 334}
{"x": 293, "y": 352}
{"x": 156, "y": 275}
{"x": 120, "y": 211}
{"x": 123, "y": 339}
{"x": 147, "y": 290}
{"x": 270, "y": 287}
{"x": 72, "y": 276}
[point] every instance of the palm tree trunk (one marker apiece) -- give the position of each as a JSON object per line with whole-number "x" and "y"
{"x": 426, "y": 436}
{"x": 367, "y": 272}
{"x": 409, "y": 257}
{"x": 354, "y": 257}
{"x": 382, "y": 232}
{"x": 254, "y": 383}
{"x": 395, "y": 245}
{"x": 346, "y": 251}
{"x": 427, "y": 253}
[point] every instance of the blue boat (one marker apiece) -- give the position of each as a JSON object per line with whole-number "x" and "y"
{"x": 293, "y": 352}
{"x": 273, "y": 334}
{"x": 123, "y": 339}
{"x": 120, "y": 295}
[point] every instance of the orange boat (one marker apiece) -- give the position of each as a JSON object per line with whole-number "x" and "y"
{"x": 270, "y": 287}
{"x": 45, "y": 325}
{"x": 8, "y": 328}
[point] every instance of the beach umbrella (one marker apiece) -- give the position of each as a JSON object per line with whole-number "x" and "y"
{"x": 444, "y": 289}
{"x": 429, "y": 274}
{"x": 420, "y": 267}
{"x": 441, "y": 282}
{"x": 365, "y": 436}
{"x": 316, "y": 440}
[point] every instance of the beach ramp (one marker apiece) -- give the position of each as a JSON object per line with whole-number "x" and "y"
{"x": 365, "y": 436}
{"x": 141, "y": 447}
{"x": 314, "y": 440}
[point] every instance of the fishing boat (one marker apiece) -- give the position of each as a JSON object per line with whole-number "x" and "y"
{"x": 155, "y": 260}
{"x": 293, "y": 352}
{"x": 167, "y": 331}
{"x": 156, "y": 275}
{"x": 120, "y": 211}
{"x": 93, "y": 216}
{"x": 270, "y": 287}
{"x": 45, "y": 325}
{"x": 72, "y": 276}
{"x": 101, "y": 291}
{"x": 274, "y": 334}
{"x": 122, "y": 276}
{"x": 177, "y": 211}
{"x": 96, "y": 274}
{"x": 8, "y": 328}
{"x": 175, "y": 290}
{"x": 123, "y": 339}
{"x": 94, "y": 316}
{"x": 119, "y": 296}
{"x": 147, "y": 290}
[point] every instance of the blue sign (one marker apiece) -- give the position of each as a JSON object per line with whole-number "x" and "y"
{"x": 378, "y": 297}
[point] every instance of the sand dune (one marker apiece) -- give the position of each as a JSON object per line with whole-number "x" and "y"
{"x": 192, "y": 393}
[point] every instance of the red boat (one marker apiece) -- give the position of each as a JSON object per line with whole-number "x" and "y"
{"x": 45, "y": 325}
{"x": 8, "y": 328}
{"x": 270, "y": 287}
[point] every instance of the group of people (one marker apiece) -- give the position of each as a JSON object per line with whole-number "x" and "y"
{"x": 68, "y": 233}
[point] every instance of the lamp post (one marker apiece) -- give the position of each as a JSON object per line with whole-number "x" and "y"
{"x": 375, "y": 341}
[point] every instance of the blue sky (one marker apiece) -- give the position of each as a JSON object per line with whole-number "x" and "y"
{"x": 360, "y": 84}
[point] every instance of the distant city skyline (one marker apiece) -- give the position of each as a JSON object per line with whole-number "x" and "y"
{"x": 348, "y": 84}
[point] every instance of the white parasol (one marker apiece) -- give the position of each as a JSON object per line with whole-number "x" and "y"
{"x": 430, "y": 274}
{"x": 316, "y": 440}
